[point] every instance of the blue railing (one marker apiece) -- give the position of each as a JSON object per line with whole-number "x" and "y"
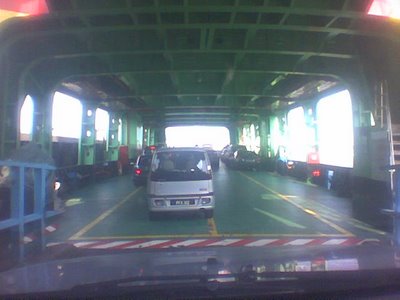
{"x": 26, "y": 180}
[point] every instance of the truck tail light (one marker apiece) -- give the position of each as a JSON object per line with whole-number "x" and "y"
{"x": 316, "y": 173}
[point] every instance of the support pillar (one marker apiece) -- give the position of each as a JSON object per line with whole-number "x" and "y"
{"x": 42, "y": 121}
{"x": 113, "y": 144}
{"x": 159, "y": 135}
{"x": 134, "y": 134}
{"x": 265, "y": 146}
{"x": 234, "y": 133}
{"x": 88, "y": 135}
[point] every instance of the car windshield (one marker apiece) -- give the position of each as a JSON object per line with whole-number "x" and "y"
{"x": 180, "y": 166}
{"x": 145, "y": 160}
{"x": 207, "y": 145}
{"x": 247, "y": 154}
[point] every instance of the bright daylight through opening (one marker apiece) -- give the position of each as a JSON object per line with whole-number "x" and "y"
{"x": 385, "y": 8}
{"x": 26, "y": 117}
{"x": 67, "y": 116}
{"x": 190, "y": 136}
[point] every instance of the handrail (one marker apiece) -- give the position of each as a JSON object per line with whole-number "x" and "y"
{"x": 17, "y": 181}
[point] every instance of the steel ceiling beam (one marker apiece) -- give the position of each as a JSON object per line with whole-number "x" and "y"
{"x": 82, "y": 31}
{"x": 166, "y": 54}
{"x": 122, "y": 71}
{"x": 193, "y": 95}
{"x": 209, "y": 51}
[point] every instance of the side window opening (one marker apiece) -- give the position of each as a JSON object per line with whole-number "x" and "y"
{"x": 26, "y": 119}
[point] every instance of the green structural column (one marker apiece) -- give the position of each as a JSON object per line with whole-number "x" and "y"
{"x": 146, "y": 136}
{"x": 8, "y": 109}
{"x": 134, "y": 134}
{"x": 124, "y": 130}
{"x": 88, "y": 135}
{"x": 42, "y": 121}
{"x": 113, "y": 144}
{"x": 159, "y": 135}
{"x": 265, "y": 148}
{"x": 234, "y": 133}
{"x": 244, "y": 135}
{"x": 310, "y": 116}
{"x": 151, "y": 136}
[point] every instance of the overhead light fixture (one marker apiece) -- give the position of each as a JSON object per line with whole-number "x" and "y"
{"x": 312, "y": 87}
{"x": 277, "y": 80}
{"x": 22, "y": 8}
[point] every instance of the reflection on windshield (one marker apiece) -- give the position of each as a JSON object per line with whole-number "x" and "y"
{"x": 180, "y": 166}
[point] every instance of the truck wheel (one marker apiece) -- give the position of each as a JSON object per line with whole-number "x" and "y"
{"x": 209, "y": 214}
{"x": 153, "y": 216}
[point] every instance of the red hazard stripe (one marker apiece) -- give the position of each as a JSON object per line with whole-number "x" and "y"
{"x": 128, "y": 244}
{"x": 193, "y": 243}
{"x": 280, "y": 242}
{"x": 203, "y": 243}
{"x": 243, "y": 242}
{"x": 95, "y": 244}
{"x": 316, "y": 242}
{"x": 165, "y": 244}
{"x": 351, "y": 241}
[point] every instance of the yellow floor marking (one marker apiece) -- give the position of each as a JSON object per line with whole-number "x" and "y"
{"x": 270, "y": 197}
{"x": 74, "y": 201}
{"x": 369, "y": 229}
{"x": 280, "y": 219}
{"x": 329, "y": 214}
{"x": 207, "y": 235}
{"x": 212, "y": 227}
{"x": 330, "y": 217}
{"x": 102, "y": 216}
{"x": 333, "y": 225}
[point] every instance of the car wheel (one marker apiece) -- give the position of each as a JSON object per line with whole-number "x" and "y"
{"x": 138, "y": 183}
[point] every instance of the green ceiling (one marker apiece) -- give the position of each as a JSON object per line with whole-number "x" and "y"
{"x": 211, "y": 57}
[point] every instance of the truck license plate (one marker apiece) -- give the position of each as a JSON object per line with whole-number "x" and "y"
{"x": 182, "y": 202}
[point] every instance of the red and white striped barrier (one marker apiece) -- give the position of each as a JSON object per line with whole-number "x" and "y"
{"x": 220, "y": 242}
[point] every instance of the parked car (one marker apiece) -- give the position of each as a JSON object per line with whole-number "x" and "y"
{"x": 149, "y": 150}
{"x": 213, "y": 155}
{"x": 228, "y": 152}
{"x": 141, "y": 169}
{"x": 246, "y": 160}
{"x": 180, "y": 181}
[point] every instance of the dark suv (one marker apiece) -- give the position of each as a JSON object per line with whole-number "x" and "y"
{"x": 141, "y": 169}
{"x": 228, "y": 152}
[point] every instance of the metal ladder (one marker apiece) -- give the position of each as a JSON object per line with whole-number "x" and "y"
{"x": 384, "y": 118}
{"x": 395, "y": 144}
{"x": 393, "y": 130}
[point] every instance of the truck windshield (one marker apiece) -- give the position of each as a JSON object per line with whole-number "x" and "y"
{"x": 180, "y": 166}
